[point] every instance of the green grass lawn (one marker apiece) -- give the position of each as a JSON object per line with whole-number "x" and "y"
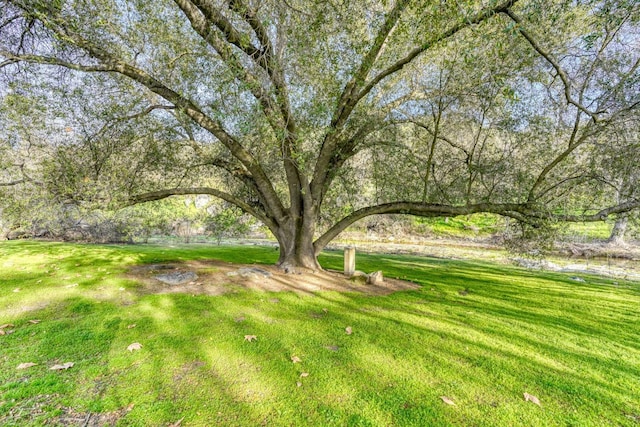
{"x": 477, "y": 333}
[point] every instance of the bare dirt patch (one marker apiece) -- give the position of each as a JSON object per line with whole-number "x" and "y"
{"x": 217, "y": 278}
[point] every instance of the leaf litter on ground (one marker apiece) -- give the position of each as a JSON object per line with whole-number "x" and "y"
{"x": 447, "y": 400}
{"x": 296, "y": 359}
{"x": 62, "y": 367}
{"x": 531, "y": 398}
{"x": 134, "y": 346}
{"x": 348, "y": 330}
{"x": 26, "y": 365}
{"x": 250, "y": 338}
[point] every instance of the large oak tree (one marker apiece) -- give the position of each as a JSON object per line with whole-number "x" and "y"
{"x": 311, "y": 115}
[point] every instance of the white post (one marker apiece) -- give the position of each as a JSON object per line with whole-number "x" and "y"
{"x": 349, "y": 261}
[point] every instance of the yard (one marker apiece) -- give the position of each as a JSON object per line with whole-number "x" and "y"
{"x": 476, "y": 344}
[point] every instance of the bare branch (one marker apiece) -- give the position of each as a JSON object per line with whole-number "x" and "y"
{"x": 556, "y": 66}
{"x": 13, "y": 58}
{"x": 144, "y": 112}
{"x": 602, "y": 214}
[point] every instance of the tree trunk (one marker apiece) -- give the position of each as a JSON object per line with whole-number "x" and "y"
{"x": 296, "y": 246}
{"x": 618, "y": 231}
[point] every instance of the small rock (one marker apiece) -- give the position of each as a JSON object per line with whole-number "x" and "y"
{"x": 375, "y": 278}
{"x": 254, "y": 272}
{"x": 288, "y": 269}
{"x": 177, "y": 278}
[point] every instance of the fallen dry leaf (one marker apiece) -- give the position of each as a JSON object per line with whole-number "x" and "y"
{"x": 177, "y": 423}
{"x": 62, "y": 367}
{"x": 35, "y": 321}
{"x": 531, "y": 398}
{"x": 2, "y": 332}
{"x": 296, "y": 359}
{"x": 26, "y": 365}
{"x": 299, "y": 384}
{"x": 7, "y": 325}
{"x": 325, "y": 310}
{"x": 348, "y": 330}
{"x": 250, "y": 338}
{"x": 448, "y": 401}
{"x": 16, "y": 290}
{"x": 304, "y": 374}
{"x": 134, "y": 346}
{"x": 131, "y": 326}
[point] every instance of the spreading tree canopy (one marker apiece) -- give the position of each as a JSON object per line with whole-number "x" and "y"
{"x": 313, "y": 114}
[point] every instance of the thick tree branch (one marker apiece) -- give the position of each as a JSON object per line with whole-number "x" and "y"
{"x": 400, "y": 64}
{"x": 357, "y": 92}
{"x": 111, "y": 63}
{"x": 520, "y": 211}
{"x": 416, "y": 209}
{"x": 197, "y": 12}
{"x": 296, "y": 180}
{"x": 163, "y": 194}
{"x": 241, "y": 40}
{"x": 201, "y": 26}
{"x": 240, "y": 7}
{"x": 342, "y": 111}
